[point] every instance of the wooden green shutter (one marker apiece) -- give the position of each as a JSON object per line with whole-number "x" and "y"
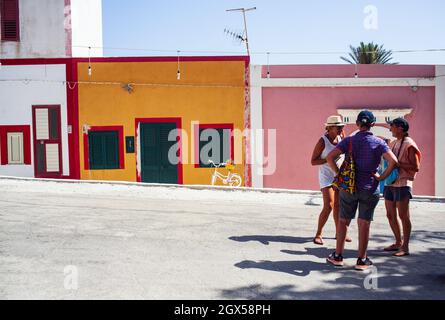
{"x": 104, "y": 149}
{"x": 224, "y": 136}
{"x": 155, "y": 163}
{"x": 168, "y": 170}
{"x": 53, "y": 123}
{"x": 224, "y": 152}
{"x": 150, "y": 157}
{"x": 111, "y": 151}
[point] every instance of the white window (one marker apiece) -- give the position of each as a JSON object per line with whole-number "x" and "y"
{"x": 346, "y": 119}
{"x": 15, "y": 148}
{"x": 387, "y": 119}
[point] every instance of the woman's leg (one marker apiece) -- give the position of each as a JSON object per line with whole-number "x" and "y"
{"x": 391, "y": 214}
{"x": 403, "y": 208}
{"x": 328, "y": 204}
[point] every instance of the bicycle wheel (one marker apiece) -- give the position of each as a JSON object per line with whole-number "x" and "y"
{"x": 235, "y": 180}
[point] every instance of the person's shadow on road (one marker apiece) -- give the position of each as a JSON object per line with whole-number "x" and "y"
{"x": 267, "y": 239}
{"x": 295, "y": 268}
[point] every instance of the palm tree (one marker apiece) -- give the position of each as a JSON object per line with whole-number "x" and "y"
{"x": 369, "y": 54}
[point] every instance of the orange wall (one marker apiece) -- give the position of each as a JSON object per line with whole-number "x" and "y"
{"x": 208, "y": 92}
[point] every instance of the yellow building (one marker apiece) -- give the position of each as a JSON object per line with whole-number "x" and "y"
{"x": 129, "y": 108}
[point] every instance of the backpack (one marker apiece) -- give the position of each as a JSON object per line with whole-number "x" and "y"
{"x": 345, "y": 180}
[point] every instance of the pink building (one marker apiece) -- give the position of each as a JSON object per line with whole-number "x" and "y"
{"x": 296, "y": 100}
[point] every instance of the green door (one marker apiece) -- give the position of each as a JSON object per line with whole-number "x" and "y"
{"x": 155, "y": 165}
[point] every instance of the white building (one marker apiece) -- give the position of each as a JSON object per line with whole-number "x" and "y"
{"x": 34, "y": 121}
{"x": 50, "y": 28}
{"x": 37, "y": 118}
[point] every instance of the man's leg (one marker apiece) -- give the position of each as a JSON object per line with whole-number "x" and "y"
{"x": 367, "y": 204}
{"x": 336, "y": 214}
{"x": 348, "y": 208}
{"x": 391, "y": 214}
{"x": 336, "y": 208}
{"x": 363, "y": 237}
{"x": 342, "y": 230}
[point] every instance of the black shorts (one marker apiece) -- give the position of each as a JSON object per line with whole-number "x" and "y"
{"x": 397, "y": 193}
{"x": 365, "y": 201}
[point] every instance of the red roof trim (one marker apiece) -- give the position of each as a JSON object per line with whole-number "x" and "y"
{"x": 27, "y": 61}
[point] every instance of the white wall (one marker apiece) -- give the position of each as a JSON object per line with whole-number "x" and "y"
{"x": 54, "y": 29}
{"x": 440, "y": 131}
{"x": 18, "y": 97}
{"x": 86, "y": 22}
{"x": 42, "y": 32}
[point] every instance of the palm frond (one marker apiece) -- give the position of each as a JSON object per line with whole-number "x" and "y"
{"x": 369, "y": 53}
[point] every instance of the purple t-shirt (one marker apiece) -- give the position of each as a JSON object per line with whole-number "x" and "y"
{"x": 367, "y": 151}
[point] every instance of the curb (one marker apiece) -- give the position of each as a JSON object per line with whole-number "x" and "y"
{"x": 315, "y": 194}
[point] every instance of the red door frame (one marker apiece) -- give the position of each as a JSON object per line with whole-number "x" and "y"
{"x": 59, "y": 142}
{"x": 178, "y": 122}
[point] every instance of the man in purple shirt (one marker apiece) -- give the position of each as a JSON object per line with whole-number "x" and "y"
{"x": 367, "y": 151}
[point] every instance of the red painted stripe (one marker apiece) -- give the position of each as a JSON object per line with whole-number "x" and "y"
{"x": 73, "y": 120}
{"x": 165, "y": 59}
{"x": 86, "y": 152}
{"x": 32, "y": 61}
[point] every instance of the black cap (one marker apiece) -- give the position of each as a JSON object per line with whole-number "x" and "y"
{"x": 400, "y": 122}
{"x": 366, "y": 117}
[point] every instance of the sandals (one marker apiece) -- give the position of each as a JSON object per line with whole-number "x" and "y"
{"x": 393, "y": 247}
{"x": 318, "y": 240}
{"x": 401, "y": 253}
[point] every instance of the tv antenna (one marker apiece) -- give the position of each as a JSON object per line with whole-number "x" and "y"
{"x": 238, "y": 36}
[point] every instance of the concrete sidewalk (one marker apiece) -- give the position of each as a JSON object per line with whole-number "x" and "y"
{"x": 133, "y": 242}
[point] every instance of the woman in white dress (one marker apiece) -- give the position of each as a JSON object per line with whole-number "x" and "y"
{"x": 333, "y": 135}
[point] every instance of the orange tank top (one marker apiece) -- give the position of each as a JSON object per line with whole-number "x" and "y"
{"x": 406, "y": 177}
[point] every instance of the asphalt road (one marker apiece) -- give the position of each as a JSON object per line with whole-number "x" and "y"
{"x": 84, "y": 241}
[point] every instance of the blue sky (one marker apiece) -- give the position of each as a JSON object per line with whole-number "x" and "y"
{"x": 276, "y": 26}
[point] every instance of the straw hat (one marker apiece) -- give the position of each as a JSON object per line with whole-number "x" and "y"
{"x": 334, "y": 121}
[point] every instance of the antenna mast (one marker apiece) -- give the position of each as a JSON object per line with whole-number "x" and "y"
{"x": 244, "y": 10}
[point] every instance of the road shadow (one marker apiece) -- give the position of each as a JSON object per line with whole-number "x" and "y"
{"x": 319, "y": 252}
{"x": 268, "y": 239}
{"x": 418, "y": 276}
{"x": 295, "y": 268}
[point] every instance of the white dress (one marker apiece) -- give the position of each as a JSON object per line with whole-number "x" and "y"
{"x": 325, "y": 173}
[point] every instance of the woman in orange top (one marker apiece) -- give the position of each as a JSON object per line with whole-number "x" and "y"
{"x": 398, "y": 194}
